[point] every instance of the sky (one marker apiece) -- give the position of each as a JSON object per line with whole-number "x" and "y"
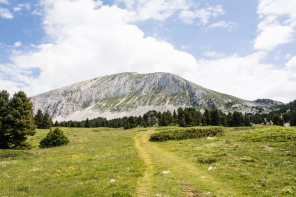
{"x": 243, "y": 48}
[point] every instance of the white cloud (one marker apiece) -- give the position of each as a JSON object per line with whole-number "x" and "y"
{"x": 22, "y": 6}
{"x": 203, "y": 15}
{"x": 5, "y": 13}
{"x": 278, "y": 20}
{"x": 100, "y": 41}
{"x": 154, "y": 9}
{"x": 4, "y": 2}
{"x": 246, "y": 77}
{"x": 94, "y": 43}
{"x": 222, "y": 24}
{"x": 17, "y": 44}
{"x": 213, "y": 54}
{"x": 273, "y": 36}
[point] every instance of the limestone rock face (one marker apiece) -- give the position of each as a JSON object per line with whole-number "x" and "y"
{"x": 127, "y": 94}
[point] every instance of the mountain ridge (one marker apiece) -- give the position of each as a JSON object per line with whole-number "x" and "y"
{"x": 130, "y": 93}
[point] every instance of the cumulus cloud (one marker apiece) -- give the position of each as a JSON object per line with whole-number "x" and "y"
{"x": 22, "y": 6}
{"x": 5, "y": 13}
{"x": 203, "y": 14}
{"x": 277, "y": 23}
{"x": 4, "y": 2}
{"x": 17, "y": 44}
{"x": 222, "y": 24}
{"x": 87, "y": 39}
{"x": 246, "y": 77}
{"x": 154, "y": 9}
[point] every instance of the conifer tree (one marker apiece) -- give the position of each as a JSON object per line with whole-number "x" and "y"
{"x": 4, "y": 98}
{"x": 19, "y": 123}
{"x": 39, "y": 119}
{"x": 230, "y": 119}
{"x": 277, "y": 120}
{"x": 293, "y": 118}
{"x": 54, "y": 138}
{"x": 238, "y": 119}
{"x": 46, "y": 122}
{"x": 87, "y": 123}
{"x": 216, "y": 117}
{"x": 208, "y": 119}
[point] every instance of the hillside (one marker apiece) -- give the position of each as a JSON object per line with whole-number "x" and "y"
{"x": 127, "y": 94}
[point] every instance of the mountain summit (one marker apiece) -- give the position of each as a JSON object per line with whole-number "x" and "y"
{"x": 133, "y": 94}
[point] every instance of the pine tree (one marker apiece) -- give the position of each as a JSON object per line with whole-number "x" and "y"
{"x": 230, "y": 119}
{"x": 293, "y": 118}
{"x": 277, "y": 120}
{"x": 238, "y": 119}
{"x": 216, "y": 117}
{"x": 19, "y": 122}
{"x": 56, "y": 124}
{"x": 54, "y": 138}
{"x": 4, "y": 98}
{"x": 46, "y": 122}
{"x": 87, "y": 123}
{"x": 39, "y": 119}
{"x": 208, "y": 119}
{"x": 247, "y": 121}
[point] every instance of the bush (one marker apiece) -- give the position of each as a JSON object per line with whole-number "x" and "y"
{"x": 54, "y": 138}
{"x": 188, "y": 133}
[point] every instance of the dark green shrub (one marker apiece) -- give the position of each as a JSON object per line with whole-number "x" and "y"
{"x": 54, "y": 138}
{"x": 188, "y": 133}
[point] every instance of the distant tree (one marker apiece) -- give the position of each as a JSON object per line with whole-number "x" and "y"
{"x": 39, "y": 119}
{"x": 46, "y": 122}
{"x": 56, "y": 124}
{"x": 175, "y": 117}
{"x": 216, "y": 117}
{"x": 293, "y": 118}
{"x": 87, "y": 123}
{"x": 238, "y": 119}
{"x": 277, "y": 120}
{"x": 247, "y": 121}
{"x": 4, "y": 99}
{"x": 55, "y": 137}
{"x": 18, "y": 122}
{"x": 181, "y": 117}
{"x": 229, "y": 119}
{"x": 208, "y": 119}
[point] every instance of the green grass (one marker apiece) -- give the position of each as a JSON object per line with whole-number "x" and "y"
{"x": 241, "y": 166}
{"x": 84, "y": 167}
{"x": 266, "y": 168}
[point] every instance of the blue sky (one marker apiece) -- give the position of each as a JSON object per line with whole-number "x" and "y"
{"x": 242, "y": 48}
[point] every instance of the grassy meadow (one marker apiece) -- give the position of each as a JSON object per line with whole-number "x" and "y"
{"x": 254, "y": 161}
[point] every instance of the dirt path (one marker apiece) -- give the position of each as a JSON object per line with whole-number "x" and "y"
{"x": 145, "y": 182}
{"x": 184, "y": 175}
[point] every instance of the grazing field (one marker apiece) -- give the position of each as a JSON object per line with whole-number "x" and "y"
{"x": 84, "y": 167}
{"x": 257, "y": 161}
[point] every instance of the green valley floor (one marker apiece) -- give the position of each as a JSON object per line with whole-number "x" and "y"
{"x": 117, "y": 162}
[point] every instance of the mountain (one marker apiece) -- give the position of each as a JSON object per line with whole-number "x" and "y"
{"x": 133, "y": 94}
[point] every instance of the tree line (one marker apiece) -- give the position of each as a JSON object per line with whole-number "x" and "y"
{"x": 183, "y": 117}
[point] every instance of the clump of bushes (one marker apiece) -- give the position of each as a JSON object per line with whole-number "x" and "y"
{"x": 275, "y": 134}
{"x": 55, "y": 137}
{"x": 188, "y": 133}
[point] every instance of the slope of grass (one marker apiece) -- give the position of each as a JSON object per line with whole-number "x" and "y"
{"x": 82, "y": 168}
{"x": 229, "y": 165}
{"x": 266, "y": 168}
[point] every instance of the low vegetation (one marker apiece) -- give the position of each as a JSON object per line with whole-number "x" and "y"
{"x": 187, "y": 133}
{"x": 271, "y": 134}
{"x": 55, "y": 137}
